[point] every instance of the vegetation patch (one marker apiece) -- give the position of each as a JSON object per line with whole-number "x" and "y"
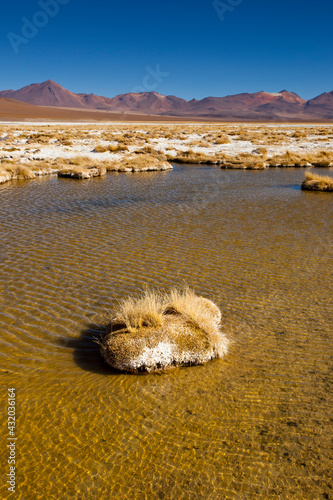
{"x": 315, "y": 182}
{"x": 139, "y": 163}
{"x": 156, "y": 331}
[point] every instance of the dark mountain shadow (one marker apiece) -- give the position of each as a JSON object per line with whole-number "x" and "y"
{"x": 86, "y": 350}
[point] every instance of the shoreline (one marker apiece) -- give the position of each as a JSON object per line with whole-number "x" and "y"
{"x": 28, "y": 150}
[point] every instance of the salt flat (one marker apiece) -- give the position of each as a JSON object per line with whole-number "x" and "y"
{"x": 41, "y": 148}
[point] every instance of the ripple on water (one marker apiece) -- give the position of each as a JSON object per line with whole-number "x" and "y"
{"x": 256, "y": 424}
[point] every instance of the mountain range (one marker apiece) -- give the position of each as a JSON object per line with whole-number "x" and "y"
{"x": 265, "y": 106}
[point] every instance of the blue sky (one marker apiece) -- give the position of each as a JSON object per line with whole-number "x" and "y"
{"x": 105, "y": 47}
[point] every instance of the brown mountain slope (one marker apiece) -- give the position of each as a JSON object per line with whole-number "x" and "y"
{"x": 11, "y": 110}
{"x": 48, "y": 93}
{"x": 280, "y": 106}
{"x": 247, "y": 104}
{"x": 321, "y": 105}
{"x": 15, "y": 109}
{"x": 148, "y": 102}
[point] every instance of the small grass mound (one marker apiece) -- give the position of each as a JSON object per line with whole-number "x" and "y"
{"x": 140, "y": 310}
{"x": 154, "y": 331}
{"x": 192, "y": 157}
{"x": 139, "y": 163}
{"x": 10, "y": 170}
{"x": 244, "y": 162}
{"x": 222, "y": 139}
{"x": 315, "y": 182}
{"x": 196, "y": 310}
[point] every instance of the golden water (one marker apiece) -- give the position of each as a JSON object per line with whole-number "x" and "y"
{"x": 256, "y": 424}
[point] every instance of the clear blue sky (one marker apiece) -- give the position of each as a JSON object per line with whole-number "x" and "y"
{"x": 104, "y": 47}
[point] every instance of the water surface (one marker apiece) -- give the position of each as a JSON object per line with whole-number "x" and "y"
{"x": 256, "y": 424}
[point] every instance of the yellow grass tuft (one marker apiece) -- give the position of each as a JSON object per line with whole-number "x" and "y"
{"x": 222, "y": 139}
{"x": 16, "y": 171}
{"x": 139, "y": 163}
{"x": 192, "y": 157}
{"x": 149, "y": 308}
{"x": 185, "y": 302}
{"x": 315, "y": 182}
{"x": 117, "y": 148}
{"x": 101, "y": 149}
{"x": 140, "y": 310}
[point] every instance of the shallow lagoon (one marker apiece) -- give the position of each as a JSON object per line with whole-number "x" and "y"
{"x": 256, "y": 424}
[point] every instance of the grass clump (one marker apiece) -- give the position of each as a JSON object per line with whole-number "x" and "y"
{"x": 140, "y": 310}
{"x": 149, "y": 309}
{"x": 299, "y": 134}
{"x": 149, "y": 150}
{"x": 192, "y": 157}
{"x": 289, "y": 159}
{"x": 118, "y": 148}
{"x": 100, "y": 149}
{"x": 11, "y": 171}
{"x": 245, "y": 161}
{"x": 193, "y": 308}
{"x": 322, "y": 159}
{"x": 222, "y": 139}
{"x": 140, "y": 163}
{"x": 315, "y": 182}
{"x": 155, "y": 331}
{"x": 112, "y": 148}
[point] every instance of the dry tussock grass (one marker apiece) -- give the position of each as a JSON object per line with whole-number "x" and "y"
{"x": 148, "y": 150}
{"x": 315, "y": 182}
{"x": 9, "y": 170}
{"x": 263, "y": 152}
{"x": 100, "y": 149}
{"x": 322, "y": 159}
{"x": 82, "y": 163}
{"x": 10, "y": 150}
{"x": 222, "y": 139}
{"x": 152, "y": 151}
{"x": 289, "y": 159}
{"x": 76, "y": 161}
{"x": 118, "y": 148}
{"x": 17, "y": 171}
{"x": 185, "y": 302}
{"x": 139, "y": 163}
{"x": 191, "y": 156}
{"x": 64, "y": 170}
{"x": 199, "y": 143}
{"x": 140, "y": 310}
{"x": 147, "y": 310}
{"x": 81, "y": 172}
{"x": 244, "y": 162}
{"x": 40, "y": 138}
{"x": 300, "y": 134}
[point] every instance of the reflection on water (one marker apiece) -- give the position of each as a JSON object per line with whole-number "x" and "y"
{"x": 256, "y": 424}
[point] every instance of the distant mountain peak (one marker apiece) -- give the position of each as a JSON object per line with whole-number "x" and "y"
{"x": 248, "y": 106}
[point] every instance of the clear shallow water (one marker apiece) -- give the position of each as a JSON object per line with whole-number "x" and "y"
{"x": 257, "y": 424}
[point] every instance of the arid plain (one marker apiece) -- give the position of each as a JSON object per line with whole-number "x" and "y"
{"x": 30, "y": 150}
